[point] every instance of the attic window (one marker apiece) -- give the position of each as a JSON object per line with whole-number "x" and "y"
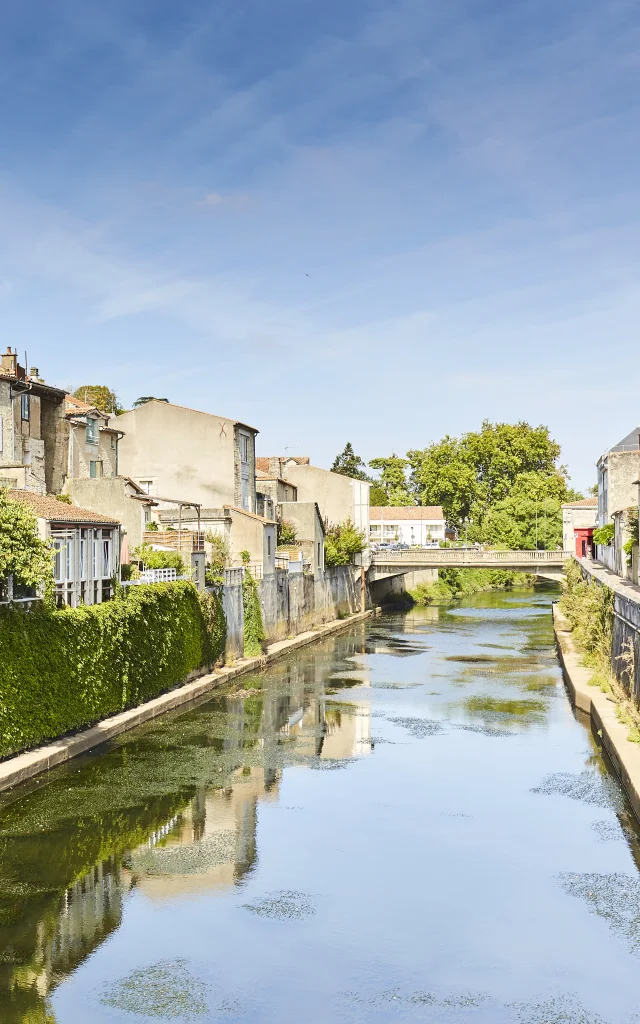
{"x": 92, "y": 431}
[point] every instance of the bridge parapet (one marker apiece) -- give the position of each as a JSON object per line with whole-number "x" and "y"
{"x": 385, "y": 563}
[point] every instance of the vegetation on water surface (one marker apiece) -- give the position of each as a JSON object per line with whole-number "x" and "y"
{"x": 65, "y": 668}
{"x": 453, "y": 584}
{"x": 589, "y": 607}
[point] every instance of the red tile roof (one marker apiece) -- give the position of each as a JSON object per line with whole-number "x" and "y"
{"x": 45, "y": 507}
{"x": 427, "y": 513}
{"x": 582, "y": 503}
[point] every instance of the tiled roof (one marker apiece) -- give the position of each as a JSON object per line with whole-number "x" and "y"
{"x": 582, "y": 503}
{"x": 45, "y": 507}
{"x": 427, "y": 513}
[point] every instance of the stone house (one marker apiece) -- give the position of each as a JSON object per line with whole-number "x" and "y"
{"x": 170, "y": 450}
{"x": 242, "y": 530}
{"x": 119, "y": 497}
{"x": 618, "y": 471}
{"x": 93, "y": 443}
{"x": 33, "y": 429}
{"x": 86, "y": 547}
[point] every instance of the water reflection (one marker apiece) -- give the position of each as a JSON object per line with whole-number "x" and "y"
{"x": 261, "y": 858}
{"x": 74, "y": 849}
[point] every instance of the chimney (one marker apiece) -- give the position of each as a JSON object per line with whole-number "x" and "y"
{"x": 9, "y": 362}
{"x": 34, "y": 372}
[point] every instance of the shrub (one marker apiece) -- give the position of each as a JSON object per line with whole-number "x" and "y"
{"x": 62, "y": 669}
{"x": 286, "y": 532}
{"x": 604, "y": 534}
{"x": 159, "y": 559}
{"x": 22, "y": 552}
{"x": 152, "y": 526}
{"x": 254, "y": 633}
{"x": 453, "y": 584}
{"x": 219, "y": 558}
{"x": 342, "y": 542}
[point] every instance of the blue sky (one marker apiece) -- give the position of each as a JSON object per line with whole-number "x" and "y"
{"x": 367, "y": 221}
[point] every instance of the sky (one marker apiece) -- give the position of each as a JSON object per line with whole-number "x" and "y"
{"x": 378, "y": 221}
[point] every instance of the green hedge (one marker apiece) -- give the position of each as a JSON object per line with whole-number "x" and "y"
{"x": 61, "y": 669}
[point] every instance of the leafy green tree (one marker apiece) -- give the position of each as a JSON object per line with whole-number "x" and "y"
{"x": 286, "y": 532}
{"x": 99, "y": 396}
{"x": 349, "y": 464}
{"x": 159, "y": 559}
{"x": 23, "y": 553}
{"x": 529, "y": 517}
{"x": 378, "y": 496}
{"x": 393, "y": 479}
{"x": 469, "y": 475}
{"x": 342, "y": 542}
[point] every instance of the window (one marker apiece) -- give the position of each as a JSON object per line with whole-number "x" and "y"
{"x": 95, "y": 470}
{"x": 148, "y": 486}
{"x": 244, "y": 447}
{"x": 92, "y": 431}
{"x": 269, "y": 546}
{"x": 25, "y": 407}
{"x": 245, "y": 492}
{"x": 319, "y": 553}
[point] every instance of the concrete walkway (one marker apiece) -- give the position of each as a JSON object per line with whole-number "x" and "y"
{"x": 18, "y": 769}
{"x": 624, "y": 755}
{"x": 611, "y": 579}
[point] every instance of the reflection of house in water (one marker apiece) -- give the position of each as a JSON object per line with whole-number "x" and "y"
{"x": 87, "y": 913}
{"x": 211, "y": 845}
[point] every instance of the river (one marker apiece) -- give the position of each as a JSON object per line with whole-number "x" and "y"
{"x": 406, "y": 822}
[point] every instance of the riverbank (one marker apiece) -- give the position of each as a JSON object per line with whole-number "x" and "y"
{"x": 602, "y": 708}
{"x": 22, "y": 767}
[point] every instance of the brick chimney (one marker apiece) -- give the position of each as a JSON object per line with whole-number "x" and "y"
{"x": 9, "y": 362}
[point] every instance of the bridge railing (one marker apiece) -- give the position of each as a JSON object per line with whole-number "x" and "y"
{"x": 466, "y": 556}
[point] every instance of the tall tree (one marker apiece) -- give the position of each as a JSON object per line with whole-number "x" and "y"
{"x": 468, "y": 475}
{"x": 99, "y": 396}
{"x": 349, "y": 464}
{"x": 393, "y": 479}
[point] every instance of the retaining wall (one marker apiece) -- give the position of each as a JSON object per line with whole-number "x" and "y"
{"x": 294, "y": 603}
{"x": 625, "y": 645}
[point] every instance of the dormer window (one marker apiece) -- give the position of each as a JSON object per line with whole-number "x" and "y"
{"x": 92, "y": 431}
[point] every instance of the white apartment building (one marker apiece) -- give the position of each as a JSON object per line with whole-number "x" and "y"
{"x": 406, "y": 524}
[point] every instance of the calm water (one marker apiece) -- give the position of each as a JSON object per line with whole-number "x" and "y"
{"x": 406, "y": 823}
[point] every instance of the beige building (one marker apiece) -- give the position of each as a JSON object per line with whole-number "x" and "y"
{"x": 176, "y": 452}
{"x": 338, "y": 497}
{"x": 33, "y": 429}
{"x": 118, "y": 497}
{"x": 578, "y": 517}
{"x": 306, "y": 520}
{"x": 243, "y": 531}
{"x": 618, "y": 471}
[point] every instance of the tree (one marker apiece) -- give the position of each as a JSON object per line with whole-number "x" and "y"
{"x": 99, "y": 396}
{"x": 348, "y": 464}
{"x": 378, "y": 496}
{"x": 147, "y": 398}
{"x": 342, "y": 542}
{"x": 469, "y": 475}
{"x": 529, "y": 517}
{"x": 393, "y": 479}
{"x": 23, "y": 553}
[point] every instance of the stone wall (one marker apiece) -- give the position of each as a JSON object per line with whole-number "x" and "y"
{"x": 293, "y": 603}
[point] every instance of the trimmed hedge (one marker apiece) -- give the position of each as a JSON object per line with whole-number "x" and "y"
{"x": 61, "y": 669}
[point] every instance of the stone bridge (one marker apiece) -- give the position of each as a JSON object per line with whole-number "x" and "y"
{"x": 384, "y": 564}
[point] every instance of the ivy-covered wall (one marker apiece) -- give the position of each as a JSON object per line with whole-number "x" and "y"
{"x": 61, "y": 669}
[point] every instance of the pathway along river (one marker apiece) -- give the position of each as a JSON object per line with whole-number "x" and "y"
{"x": 404, "y": 823}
